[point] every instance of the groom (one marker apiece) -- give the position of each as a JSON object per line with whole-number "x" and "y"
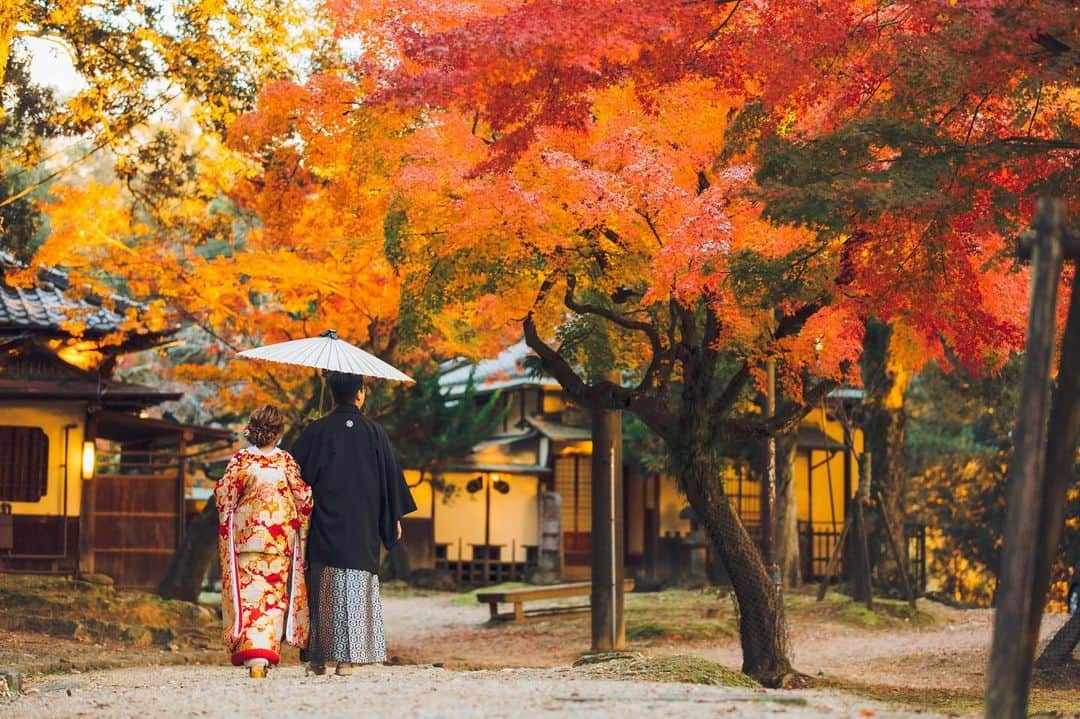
{"x": 360, "y": 497}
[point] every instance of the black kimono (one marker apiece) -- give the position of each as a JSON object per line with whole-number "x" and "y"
{"x": 359, "y": 490}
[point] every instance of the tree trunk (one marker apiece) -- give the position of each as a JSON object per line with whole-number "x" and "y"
{"x": 886, "y": 381}
{"x": 11, "y": 14}
{"x": 1062, "y": 645}
{"x": 188, "y": 568}
{"x": 787, "y": 513}
{"x": 762, "y": 629}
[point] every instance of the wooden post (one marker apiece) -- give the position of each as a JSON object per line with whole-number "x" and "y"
{"x": 1060, "y": 449}
{"x": 86, "y": 509}
{"x": 834, "y": 558}
{"x": 606, "y": 599}
{"x": 861, "y": 589}
{"x": 901, "y": 560}
{"x": 768, "y": 479}
{"x": 1008, "y": 679}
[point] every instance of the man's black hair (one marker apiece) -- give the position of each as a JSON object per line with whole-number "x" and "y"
{"x": 345, "y": 386}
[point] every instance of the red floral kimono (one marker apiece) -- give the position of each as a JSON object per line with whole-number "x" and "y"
{"x": 264, "y": 509}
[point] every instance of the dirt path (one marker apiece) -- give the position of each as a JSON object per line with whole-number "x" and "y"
{"x": 950, "y": 652}
{"x": 452, "y": 664}
{"x": 418, "y": 692}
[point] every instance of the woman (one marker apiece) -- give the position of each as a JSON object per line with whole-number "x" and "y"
{"x": 264, "y": 509}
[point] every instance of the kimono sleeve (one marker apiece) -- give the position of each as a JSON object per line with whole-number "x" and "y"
{"x": 301, "y": 492}
{"x": 397, "y": 500}
{"x": 229, "y": 488}
{"x": 227, "y": 494}
{"x": 306, "y": 456}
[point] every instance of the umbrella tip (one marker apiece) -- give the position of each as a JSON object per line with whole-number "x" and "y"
{"x": 332, "y": 334}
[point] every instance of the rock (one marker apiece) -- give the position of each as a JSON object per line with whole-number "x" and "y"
{"x": 10, "y": 680}
{"x": 543, "y": 577}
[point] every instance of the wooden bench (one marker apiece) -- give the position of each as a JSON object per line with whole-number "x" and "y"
{"x": 518, "y": 597}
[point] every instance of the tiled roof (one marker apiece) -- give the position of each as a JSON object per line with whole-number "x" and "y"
{"x": 46, "y": 307}
{"x": 506, "y": 371}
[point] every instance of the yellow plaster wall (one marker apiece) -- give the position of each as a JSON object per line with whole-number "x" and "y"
{"x": 672, "y": 502}
{"x": 51, "y": 418}
{"x": 825, "y": 510}
{"x": 421, "y": 494}
{"x": 514, "y": 518}
{"x": 553, "y": 401}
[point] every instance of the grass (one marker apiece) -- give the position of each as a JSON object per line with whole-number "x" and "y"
{"x": 679, "y": 615}
{"x": 886, "y": 614}
{"x": 840, "y": 608}
{"x": 681, "y": 630}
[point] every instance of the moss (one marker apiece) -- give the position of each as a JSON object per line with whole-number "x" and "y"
{"x": 648, "y": 630}
{"x": 89, "y": 612}
{"x": 682, "y": 630}
{"x": 681, "y": 669}
{"x": 886, "y": 614}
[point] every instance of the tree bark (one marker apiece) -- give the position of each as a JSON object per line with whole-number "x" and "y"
{"x": 11, "y": 13}
{"x": 1062, "y": 645}
{"x": 886, "y": 381}
{"x": 188, "y": 568}
{"x": 762, "y": 628}
{"x": 787, "y": 513}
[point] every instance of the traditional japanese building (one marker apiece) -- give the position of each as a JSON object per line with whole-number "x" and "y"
{"x": 89, "y": 483}
{"x": 489, "y": 517}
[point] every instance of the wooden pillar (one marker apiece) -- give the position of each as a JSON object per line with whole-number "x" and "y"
{"x": 768, "y": 479}
{"x": 861, "y": 589}
{"x": 1012, "y": 650}
{"x": 86, "y": 509}
{"x": 652, "y": 526}
{"x": 606, "y": 599}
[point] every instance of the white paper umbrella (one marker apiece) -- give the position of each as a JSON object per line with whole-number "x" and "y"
{"x": 327, "y": 352}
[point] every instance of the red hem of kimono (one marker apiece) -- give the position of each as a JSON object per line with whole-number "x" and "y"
{"x": 242, "y": 656}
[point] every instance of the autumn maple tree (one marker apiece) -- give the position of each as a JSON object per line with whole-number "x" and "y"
{"x": 626, "y": 248}
{"x": 676, "y": 192}
{"x": 531, "y": 101}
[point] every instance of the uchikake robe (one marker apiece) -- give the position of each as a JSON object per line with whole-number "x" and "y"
{"x": 360, "y": 491}
{"x": 264, "y": 509}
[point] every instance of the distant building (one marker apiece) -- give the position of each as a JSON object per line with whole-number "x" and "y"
{"x": 88, "y": 482}
{"x": 484, "y": 519}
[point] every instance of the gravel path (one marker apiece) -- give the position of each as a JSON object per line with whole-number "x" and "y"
{"x": 418, "y": 692}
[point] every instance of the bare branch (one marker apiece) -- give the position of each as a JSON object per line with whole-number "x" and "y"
{"x": 623, "y": 321}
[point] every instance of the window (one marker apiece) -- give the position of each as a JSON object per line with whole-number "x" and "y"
{"x": 24, "y": 463}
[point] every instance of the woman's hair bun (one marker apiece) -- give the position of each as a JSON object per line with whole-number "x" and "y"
{"x": 264, "y": 426}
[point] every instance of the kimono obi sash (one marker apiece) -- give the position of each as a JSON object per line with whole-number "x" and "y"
{"x": 265, "y": 519}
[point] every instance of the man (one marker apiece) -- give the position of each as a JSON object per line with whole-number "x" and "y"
{"x": 360, "y": 497}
